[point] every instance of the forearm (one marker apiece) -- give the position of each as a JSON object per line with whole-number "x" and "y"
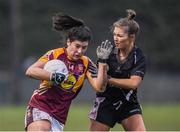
{"x": 101, "y": 80}
{"x": 103, "y": 51}
{"x": 131, "y": 83}
{"x": 38, "y": 73}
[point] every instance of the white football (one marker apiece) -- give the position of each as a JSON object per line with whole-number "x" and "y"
{"x": 56, "y": 66}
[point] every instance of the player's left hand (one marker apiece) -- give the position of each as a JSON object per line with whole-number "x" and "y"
{"x": 57, "y": 78}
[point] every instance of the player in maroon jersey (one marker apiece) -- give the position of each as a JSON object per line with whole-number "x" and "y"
{"x": 49, "y": 105}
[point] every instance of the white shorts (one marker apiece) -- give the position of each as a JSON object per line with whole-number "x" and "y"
{"x": 34, "y": 114}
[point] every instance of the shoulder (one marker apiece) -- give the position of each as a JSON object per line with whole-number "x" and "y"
{"x": 52, "y": 54}
{"x": 58, "y": 50}
{"x": 138, "y": 54}
{"x": 87, "y": 61}
{"x": 138, "y": 57}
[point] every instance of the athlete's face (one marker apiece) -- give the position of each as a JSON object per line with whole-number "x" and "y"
{"x": 121, "y": 38}
{"x": 76, "y": 49}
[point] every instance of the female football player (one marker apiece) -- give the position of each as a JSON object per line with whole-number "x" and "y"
{"x": 48, "y": 107}
{"x": 118, "y": 103}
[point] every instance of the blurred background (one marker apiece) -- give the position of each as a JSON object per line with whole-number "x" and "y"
{"x": 26, "y": 34}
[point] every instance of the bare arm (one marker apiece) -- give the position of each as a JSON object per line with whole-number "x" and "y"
{"x": 36, "y": 71}
{"x": 131, "y": 83}
{"x": 99, "y": 82}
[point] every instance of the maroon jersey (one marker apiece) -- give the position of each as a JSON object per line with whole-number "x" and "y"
{"x": 56, "y": 100}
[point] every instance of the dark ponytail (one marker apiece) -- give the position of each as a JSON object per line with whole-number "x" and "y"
{"x": 74, "y": 28}
{"x": 62, "y": 22}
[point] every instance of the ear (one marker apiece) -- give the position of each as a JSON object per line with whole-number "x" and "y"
{"x": 132, "y": 37}
{"x": 68, "y": 42}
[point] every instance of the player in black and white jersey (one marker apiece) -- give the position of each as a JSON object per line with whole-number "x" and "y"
{"x": 127, "y": 66}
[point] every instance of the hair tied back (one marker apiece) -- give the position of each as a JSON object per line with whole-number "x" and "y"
{"x": 130, "y": 14}
{"x": 63, "y": 21}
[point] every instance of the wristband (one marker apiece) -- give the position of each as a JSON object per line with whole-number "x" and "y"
{"x": 57, "y": 77}
{"x": 102, "y": 60}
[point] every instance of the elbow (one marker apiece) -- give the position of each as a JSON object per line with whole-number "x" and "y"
{"x": 101, "y": 88}
{"x": 134, "y": 85}
{"x": 135, "y": 82}
{"x": 28, "y": 72}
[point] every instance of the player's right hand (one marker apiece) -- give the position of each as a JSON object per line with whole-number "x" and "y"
{"x": 103, "y": 51}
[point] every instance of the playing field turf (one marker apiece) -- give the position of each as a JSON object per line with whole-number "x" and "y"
{"x": 156, "y": 117}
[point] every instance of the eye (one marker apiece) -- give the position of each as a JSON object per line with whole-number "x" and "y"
{"x": 77, "y": 46}
{"x": 120, "y": 35}
{"x": 84, "y": 47}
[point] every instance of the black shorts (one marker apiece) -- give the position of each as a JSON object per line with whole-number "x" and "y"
{"x": 111, "y": 111}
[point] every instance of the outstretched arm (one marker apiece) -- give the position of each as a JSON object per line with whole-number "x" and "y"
{"x": 99, "y": 81}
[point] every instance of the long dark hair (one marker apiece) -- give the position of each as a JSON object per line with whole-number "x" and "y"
{"x": 74, "y": 28}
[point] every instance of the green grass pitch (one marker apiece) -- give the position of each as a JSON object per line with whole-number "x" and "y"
{"x": 156, "y": 117}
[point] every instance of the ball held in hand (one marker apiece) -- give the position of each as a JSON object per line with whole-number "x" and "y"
{"x": 58, "y": 70}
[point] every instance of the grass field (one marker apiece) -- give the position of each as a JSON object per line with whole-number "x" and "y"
{"x": 156, "y": 117}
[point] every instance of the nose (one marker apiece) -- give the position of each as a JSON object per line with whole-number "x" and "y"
{"x": 115, "y": 37}
{"x": 80, "y": 50}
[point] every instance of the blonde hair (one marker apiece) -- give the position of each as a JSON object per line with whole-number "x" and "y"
{"x": 128, "y": 21}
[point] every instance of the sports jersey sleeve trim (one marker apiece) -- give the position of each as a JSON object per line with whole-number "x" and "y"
{"x": 51, "y": 54}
